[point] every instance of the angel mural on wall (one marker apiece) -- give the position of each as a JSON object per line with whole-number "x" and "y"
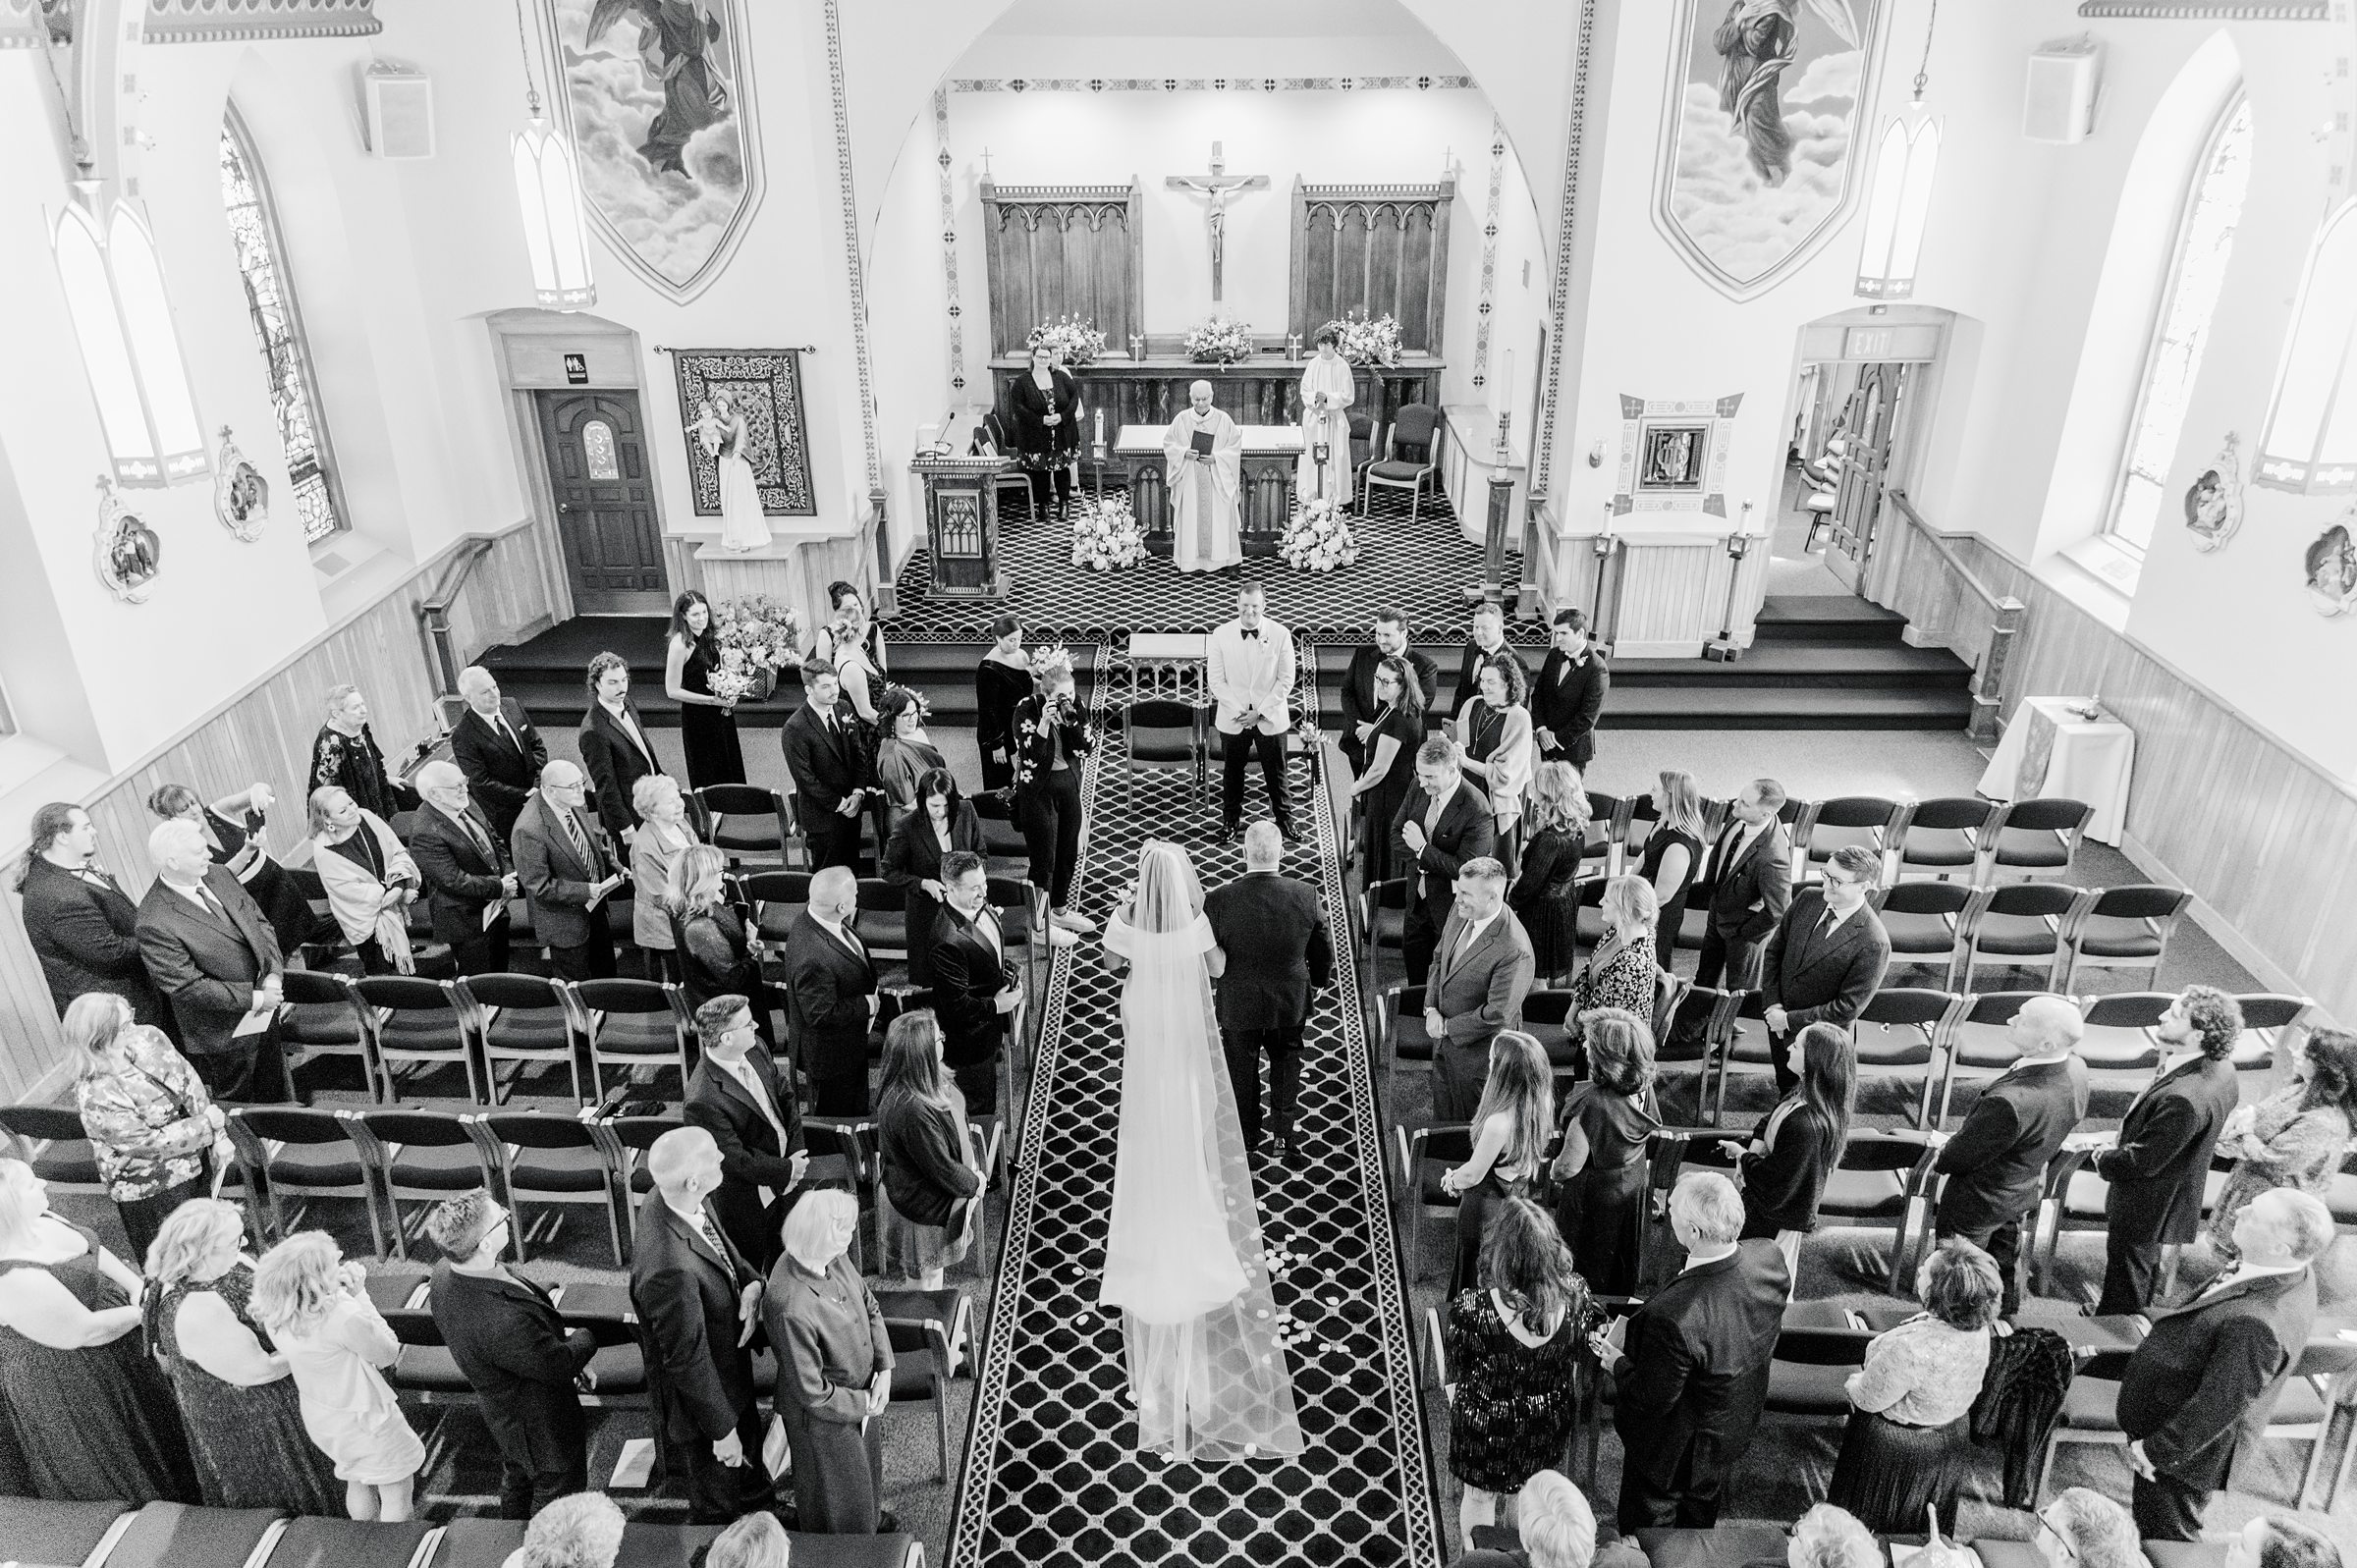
{"x": 683, "y": 47}
{"x": 1757, "y": 43}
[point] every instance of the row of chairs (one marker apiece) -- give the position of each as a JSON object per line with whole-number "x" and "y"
{"x": 1981, "y": 841}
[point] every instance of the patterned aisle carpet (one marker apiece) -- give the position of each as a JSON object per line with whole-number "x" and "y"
{"x": 1052, "y": 1478}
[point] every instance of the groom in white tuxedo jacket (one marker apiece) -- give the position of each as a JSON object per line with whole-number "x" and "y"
{"x": 1252, "y": 679}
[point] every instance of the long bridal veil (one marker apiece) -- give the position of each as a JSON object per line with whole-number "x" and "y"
{"x": 1183, "y": 1261}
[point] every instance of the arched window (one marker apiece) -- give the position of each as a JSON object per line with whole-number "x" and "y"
{"x": 114, "y": 291}
{"x": 2310, "y": 445}
{"x": 2181, "y": 330}
{"x": 278, "y": 329}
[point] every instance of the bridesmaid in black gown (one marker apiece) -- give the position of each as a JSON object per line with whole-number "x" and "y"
{"x": 106, "y": 1426}
{"x": 1001, "y": 680}
{"x": 707, "y": 725}
{"x": 1390, "y": 769}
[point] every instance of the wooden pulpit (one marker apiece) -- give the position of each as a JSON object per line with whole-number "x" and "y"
{"x": 962, "y": 524}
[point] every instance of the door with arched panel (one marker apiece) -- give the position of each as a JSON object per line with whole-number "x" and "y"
{"x": 604, "y": 495}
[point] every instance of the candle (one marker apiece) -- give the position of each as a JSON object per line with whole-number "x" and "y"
{"x": 1100, "y": 427}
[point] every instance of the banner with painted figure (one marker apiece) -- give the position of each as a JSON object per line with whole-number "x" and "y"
{"x": 1759, "y": 158}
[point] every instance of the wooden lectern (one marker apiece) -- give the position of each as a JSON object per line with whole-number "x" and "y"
{"x": 962, "y": 524}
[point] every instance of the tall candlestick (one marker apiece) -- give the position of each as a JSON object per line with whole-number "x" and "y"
{"x": 1100, "y": 438}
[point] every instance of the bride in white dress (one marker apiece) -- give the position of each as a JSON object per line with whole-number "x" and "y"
{"x": 1183, "y": 1263}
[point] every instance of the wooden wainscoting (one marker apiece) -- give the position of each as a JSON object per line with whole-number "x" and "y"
{"x": 265, "y": 733}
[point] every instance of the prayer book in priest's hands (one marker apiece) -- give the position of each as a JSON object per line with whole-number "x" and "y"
{"x": 1200, "y": 441}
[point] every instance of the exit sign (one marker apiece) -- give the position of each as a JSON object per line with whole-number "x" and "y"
{"x": 577, "y": 371}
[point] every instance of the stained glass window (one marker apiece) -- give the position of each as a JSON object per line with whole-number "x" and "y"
{"x": 278, "y": 329}
{"x": 597, "y": 440}
{"x": 2204, "y": 244}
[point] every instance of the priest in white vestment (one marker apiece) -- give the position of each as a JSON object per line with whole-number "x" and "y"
{"x": 1207, "y": 515}
{"x": 1326, "y": 388}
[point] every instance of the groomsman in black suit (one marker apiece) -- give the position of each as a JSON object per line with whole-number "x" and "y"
{"x": 1749, "y": 872}
{"x": 211, "y": 951}
{"x": 83, "y": 928}
{"x": 568, "y": 873}
{"x": 2157, "y": 1160}
{"x": 1569, "y": 693}
{"x": 1443, "y": 823}
{"x": 1485, "y": 641}
{"x": 737, "y": 1095}
{"x": 830, "y": 777}
{"x": 1274, "y": 933}
{"x": 1360, "y": 706}
{"x": 498, "y": 750}
{"x": 2204, "y": 1380}
{"x": 974, "y": 992}
{"x": 1996, "y": 1163}
{"x": 1826, "y": 956}
{"x": 467, "y": 874}
{"x": 831, "y": 993}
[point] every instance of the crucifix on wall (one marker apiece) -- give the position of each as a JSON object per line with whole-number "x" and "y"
{"x": 1219, "y": 186}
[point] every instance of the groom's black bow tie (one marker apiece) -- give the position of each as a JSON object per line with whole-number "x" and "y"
{"x": 1252, "y": 631}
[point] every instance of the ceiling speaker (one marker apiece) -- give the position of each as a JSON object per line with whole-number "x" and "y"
{"x": 2060, "y": 106}
{"x": 401, "y": 112}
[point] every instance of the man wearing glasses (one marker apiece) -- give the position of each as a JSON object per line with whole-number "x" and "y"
{"x": 1827, "y": 956}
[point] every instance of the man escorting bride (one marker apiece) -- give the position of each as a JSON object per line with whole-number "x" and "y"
{"x": 1182, "y": 1260}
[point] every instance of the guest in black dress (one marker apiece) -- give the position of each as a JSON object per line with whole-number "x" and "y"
{"x": 707, "y": 724}
{"x": 237, "y": 1396}
{"x": 233, "y": 831}
{"x": 714, "y": 938}
{"x": 1601, "y": 1170}
{"x": 834, "y": 1367}
{"x": 344, "y": 754}
{"x": 1512, "y": 1128}
{"x": 1001, "y": 680}
{"x": 1515, "y": 1347}
{"x": 92, "y": 1413}
{"x": 1797, "y": 1144}
{"x": 1047, "y": 430}
{"x": 1544, "y": 896}
{"x": 1052, "y": 740}
{"x": 84, "y": 927}
{"x": 930, "y": 1188}
{"x": 1390, "y": 769}
{"x": 942, "y": 821}
{"x": 1909, "y": 1441}
{"x": 1673, "y": 855}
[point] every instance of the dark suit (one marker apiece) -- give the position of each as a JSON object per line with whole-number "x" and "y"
{"x": 87, "y": 935}
{"x": 2201, "y": 1382}
{"x": 556, "y": 882}
{"x": 829, "y": 986}
{"x": 208, "y": 967}
{"x": 1565, "y": 700}
{"x": 462, "y": 872}
{"x": 615, "y": 764}
{"x": 1818, "y": 976}
{"x": 750, "y": 1157}
{"x": 501, "y": 772}
{"x": 514, "y": 1351}
{"x": 1468, "y": 673}
{"x": 2156, "y": 1175}
{"x": 1477, "y": 991}
{"x": 698, "y": 1381}
{"x": 1279, "y": 953}
{"x": 1746, "y": 899}
{"x": 966, "y": 976}
{"x": 1687, "y": 1399}
{"x": 1358, "y": 695}
{"x": 826, "y": 768}
{"x": 1466, "y": 831}
{"x": 1995, "y": 1163}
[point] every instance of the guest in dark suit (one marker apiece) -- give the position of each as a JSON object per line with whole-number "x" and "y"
{"x": 942, "y": 820}
{"x": 1274, "y": 933}
{"x": 467, "y": 873}
{"x": 1797, "y": 1145}
{"x": 568, "y": 873}
{"x": 974, "y": 992}
{"x": 699, "y": 1303}
{"x": 208, "y": 949}
{"x": 233, "y": 828}
{"x": 834, "y": 1370}
{"x": 737, "y": 1095}
{"x": 1443, "y": 823}
{"x": 2206, "y": 1376}
{"x": 1569, "y": 693}
{"x": 1362, "y": 710}
{"x": 514, "y": 1351}
{"x": 830, "y": 769}
{"x": 497, "y": 748}
{"x": 83, "y": 928}
{"x": 2155, "y": 1163}
{"x": 613, "y": 745}
{"x": 1749, "y": 870}
{"x": 1690, "y": 1366}
{"x": 1484, "y": 641}
{"x": 1479, "y": 978}
{"x": 831, "y": 993}
{"x": 1996, "y": 1163}
{"x": 1828, "y": 955}
{"x": 344, "y": 754}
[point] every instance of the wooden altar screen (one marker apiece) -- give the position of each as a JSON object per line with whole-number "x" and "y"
{"x": 1373, "y": 249}
{"x": 1058, "y": 250}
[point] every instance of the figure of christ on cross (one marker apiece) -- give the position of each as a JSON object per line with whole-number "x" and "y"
{"x": 1219, "y": 186}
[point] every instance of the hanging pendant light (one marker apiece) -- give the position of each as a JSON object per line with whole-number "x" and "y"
{"x": 548, "y": 193}
{"x": 1907, "y": 163}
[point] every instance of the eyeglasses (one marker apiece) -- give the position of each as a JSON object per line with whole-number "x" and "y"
{"x": 2060, "y": 1540}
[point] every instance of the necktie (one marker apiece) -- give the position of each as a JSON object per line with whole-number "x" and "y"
{"x": 1464, "y": 943}
{"x": 508, "y": 733}
{"x": 212, "y": 904}
{"x": 712, "y": 1239}
{"x": 481, "y": 841}
{"x": 581, "y": 841}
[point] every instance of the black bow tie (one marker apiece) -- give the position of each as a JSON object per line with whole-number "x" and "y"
{"x": 1252, "y": 631}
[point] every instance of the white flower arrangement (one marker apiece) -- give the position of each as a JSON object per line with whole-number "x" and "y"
{"x": 763, "y": 636}
{"x": 1076, "y": 342}
{"x": 1220, "y": 341}
{"x": 1367, "y": 342}
{"x": 1106, "y": 536}
{"x": 1317, "y": 539}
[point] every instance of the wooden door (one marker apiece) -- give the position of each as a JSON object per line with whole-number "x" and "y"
{"x": 1871, "y": 419}
{"x": 604, "y": 495}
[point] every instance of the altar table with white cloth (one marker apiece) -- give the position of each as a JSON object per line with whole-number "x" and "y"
{"x": 2050, "y": 751}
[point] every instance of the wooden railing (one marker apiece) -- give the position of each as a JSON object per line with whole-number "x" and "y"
{"x": 433, "y": 611}
{"x": 1917, "y": 572}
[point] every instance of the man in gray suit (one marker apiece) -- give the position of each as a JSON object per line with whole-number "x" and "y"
{"x": 1479, "y": 977}
{"x": 566, "y": 875}
{"x": 211, "y": 951}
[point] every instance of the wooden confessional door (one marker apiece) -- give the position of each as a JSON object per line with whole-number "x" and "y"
{"x": 604, "y": 495}
{"x": 1872, "y": 420}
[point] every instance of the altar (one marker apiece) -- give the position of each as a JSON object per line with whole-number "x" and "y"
{"x": 1269, "y": 457}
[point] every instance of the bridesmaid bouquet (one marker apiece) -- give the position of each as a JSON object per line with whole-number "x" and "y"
{"x": 735, "y": 680}
{"x": 1317, "y": 539}
{"x": 1076, "y": 342}
{"x": 1367, "y": 342}
{"x": 1220, "y": 341}
{"x": 1106, "y": 536}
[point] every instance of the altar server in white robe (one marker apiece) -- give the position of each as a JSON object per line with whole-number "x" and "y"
{"x": 1206, "y": 488}
{"x": 1326, "y": 387}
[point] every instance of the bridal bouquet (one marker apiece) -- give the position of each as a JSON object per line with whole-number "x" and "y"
{"x": 1219, "y": 342}
{"x": 1106, "y": 536}
{"x": 1076, "y": 342}
{"x": 1317, "y": 539}
{"x": 763, "y": 636}
{"x": 1368, "y": 341}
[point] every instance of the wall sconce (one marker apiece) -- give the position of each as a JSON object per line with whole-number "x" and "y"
{"x": 1596, "y": 454}
{"x": 548, "y": 192}
{"x": 1901, "y": 199}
